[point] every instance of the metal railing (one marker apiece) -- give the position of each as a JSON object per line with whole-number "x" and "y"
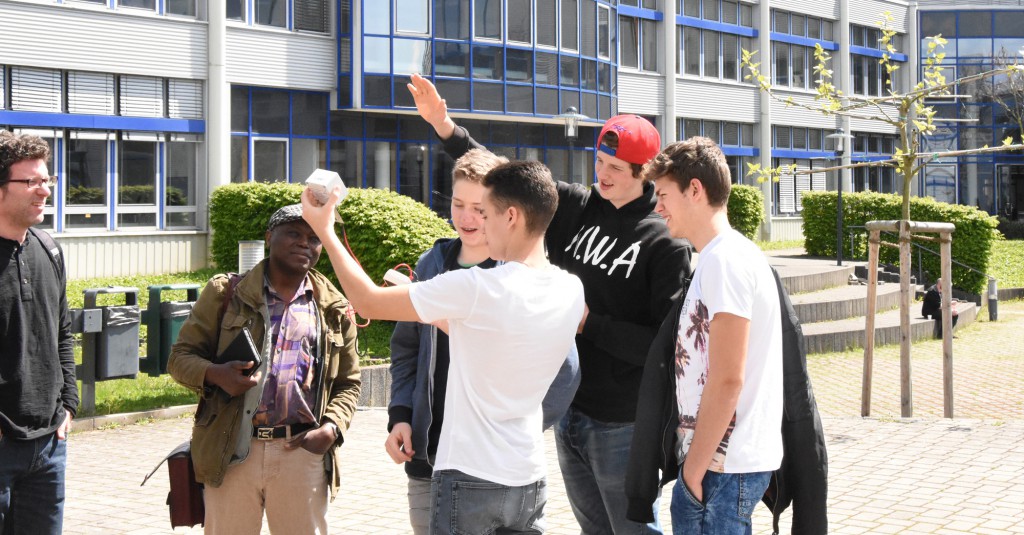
{"x": 856, "y": 231}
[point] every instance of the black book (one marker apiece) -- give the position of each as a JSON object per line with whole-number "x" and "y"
{"x": 242, "y": 348}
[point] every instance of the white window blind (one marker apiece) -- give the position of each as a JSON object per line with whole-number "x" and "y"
{"x": 803, "y": 182}
{"x": 3, "y": 86}
{"x": 142, "y": 96}
{"x": 787, "y": 193}
{"x": 818, "y": 181}
{"x": 91, "y": 93}
{"x": 311, "y": 15}
{"x": 35, "y": 90}
{"x": 185, "y": 99}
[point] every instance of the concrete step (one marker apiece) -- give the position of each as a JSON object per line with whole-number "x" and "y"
{"x": 801, "y": 274}
{"x": 842, "y": 302}
{"x": 822, "y": 337}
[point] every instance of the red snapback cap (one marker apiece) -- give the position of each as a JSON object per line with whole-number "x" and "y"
{"x": 639, "y": 140}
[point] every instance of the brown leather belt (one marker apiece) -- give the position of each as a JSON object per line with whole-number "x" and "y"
{"x": 270, "y": 432}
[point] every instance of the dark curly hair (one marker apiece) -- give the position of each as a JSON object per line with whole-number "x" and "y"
{"x": 15, "y": 148}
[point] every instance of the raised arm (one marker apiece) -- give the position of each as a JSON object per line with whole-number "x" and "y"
{"x": 431, "y": 106}
{"x": 368, "y": 299}
{"x": 433, "y": 109}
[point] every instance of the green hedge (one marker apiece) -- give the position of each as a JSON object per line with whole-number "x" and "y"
{"x": 746, "y": 209}
{"x": 1011, "y": 230}
{"x": 384, "y": 228}
{"x": 972, "y": 240}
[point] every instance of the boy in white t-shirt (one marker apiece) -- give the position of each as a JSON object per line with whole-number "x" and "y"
{"x": 728, "y": 349}
{"x": 510, "y": 328}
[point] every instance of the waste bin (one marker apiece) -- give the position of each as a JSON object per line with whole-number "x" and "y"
{"x": 163, "y": 320}
{"x": 116, "y": 346}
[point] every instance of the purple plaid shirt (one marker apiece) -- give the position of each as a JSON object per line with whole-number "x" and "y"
{"x": 288, "y": 394}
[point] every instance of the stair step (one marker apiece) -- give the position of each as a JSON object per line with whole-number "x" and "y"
{"x": 801, "y": 274}
{"x": 823, "y": 337}
{"x": 842, "y": 302}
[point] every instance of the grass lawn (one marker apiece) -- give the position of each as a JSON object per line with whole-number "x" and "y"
{"x": 1007, "y": 263}
{"x": 778, "y": 245}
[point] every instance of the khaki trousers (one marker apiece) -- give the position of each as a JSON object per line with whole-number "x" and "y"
{"x": 291, "y": 486}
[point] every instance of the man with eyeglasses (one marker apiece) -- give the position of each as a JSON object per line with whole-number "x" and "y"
{"x": 38, "y": 395}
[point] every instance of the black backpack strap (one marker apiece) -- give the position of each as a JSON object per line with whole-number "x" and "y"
{"x": 54, "y": 250}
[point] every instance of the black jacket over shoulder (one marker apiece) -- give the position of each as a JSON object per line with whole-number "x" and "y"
{"x": 801, "y": 480}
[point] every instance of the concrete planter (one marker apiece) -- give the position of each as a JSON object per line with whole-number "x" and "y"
{"x": 376, "y": 390}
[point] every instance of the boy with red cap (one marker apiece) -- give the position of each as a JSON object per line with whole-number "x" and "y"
{"x": 631, "y": 269}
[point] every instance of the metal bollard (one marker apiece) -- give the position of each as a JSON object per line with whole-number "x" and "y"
{"x": 993, "y": 300}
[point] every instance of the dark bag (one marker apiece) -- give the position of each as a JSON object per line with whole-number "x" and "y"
{"x": 185, "y": 499}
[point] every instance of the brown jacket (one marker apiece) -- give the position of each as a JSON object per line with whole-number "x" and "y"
{"x": 221, "y": 434}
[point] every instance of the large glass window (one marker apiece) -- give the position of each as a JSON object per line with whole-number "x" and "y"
{"x": 488, "y": 63}
{"x": 547, "y": 23}
{"x": 87, "y": 183}
{"x": 629, "y": 42}
{"x": 141, "y": 4}
{"x": 273, "y": 112}
{"x": 346, "y": 159}
{"x": 185, "y": 8}
{"x": 239, "y": 158}
{"x": 451, "y": 19}
{"x": 781, "y": 63}
{"x": 649, "y": 37}
{"x": 377, "y": 17}
{"x": 381, "y": 167}
{"x": 487, "y": 19}
{"x": 691, "y": 50}
{"x": 411, "y": 56}
{"x": 451, "y": 59}
{"x": 711, "y": 56}
{"x": 271, "y": 12}
{"x": 137, "y": 173}
{"x": 181, "y": 188}
{"x": 270, "y": 160}
{"x": 311, "y": 15}
{"x": 520, "y": 20}
{"x": 412, "y": 16}
{"x": 570, "y": 24}
{"x": 235, "y": 9}
{"x": 377, "y": 54}
{"x": 309, "y": 114}
{"x": 307, "y": 155}
{"x": 415, "y": 171}
{"x": 603, "y": 32}
{"x": 239, "y": 109}
{"x": 588, "y": 28}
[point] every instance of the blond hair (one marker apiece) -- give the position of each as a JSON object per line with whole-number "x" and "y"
{"x": 475, "y": 164}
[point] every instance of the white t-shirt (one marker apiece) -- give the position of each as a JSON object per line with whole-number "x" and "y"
{"x": 733, "y": 276}
{"x": 510, "y": 329}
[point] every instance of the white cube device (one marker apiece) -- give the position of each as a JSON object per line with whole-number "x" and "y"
{"x": 396, "y": 278}
{"x": 321, "y": 182}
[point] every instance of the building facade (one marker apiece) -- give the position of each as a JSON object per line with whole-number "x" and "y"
{"x": 149, "y": 105}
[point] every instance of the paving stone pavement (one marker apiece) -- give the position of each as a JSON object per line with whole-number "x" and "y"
{"x": 886, "y": 476}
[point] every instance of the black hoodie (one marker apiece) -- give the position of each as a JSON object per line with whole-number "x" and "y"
{"x": 631, "y": 270}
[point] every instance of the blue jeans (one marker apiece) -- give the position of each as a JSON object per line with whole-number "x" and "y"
{"x": 593, "y": 456}
{"x": 32, "y": 485}
{"x": 466, "y": 505}
{"x": 729, "y": 500}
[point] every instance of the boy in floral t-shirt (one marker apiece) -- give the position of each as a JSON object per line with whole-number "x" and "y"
{"x": 728, "y": 350}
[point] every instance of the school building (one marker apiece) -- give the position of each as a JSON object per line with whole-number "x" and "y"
{"x": 149, "y": 105}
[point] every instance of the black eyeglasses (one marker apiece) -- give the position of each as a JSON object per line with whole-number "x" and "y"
{"x": 35, "y": 182}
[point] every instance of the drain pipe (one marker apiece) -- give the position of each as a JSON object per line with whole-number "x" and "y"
{"x": 993, "y": 300}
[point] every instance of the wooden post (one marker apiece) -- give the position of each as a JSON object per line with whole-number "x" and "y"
{"x": 945, "y": 251}
{"x": 869, "y": 323}
{"x": 906, "y": 388}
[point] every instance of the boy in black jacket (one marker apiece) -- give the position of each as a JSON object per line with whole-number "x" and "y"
{"x": 630, "y": 269}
